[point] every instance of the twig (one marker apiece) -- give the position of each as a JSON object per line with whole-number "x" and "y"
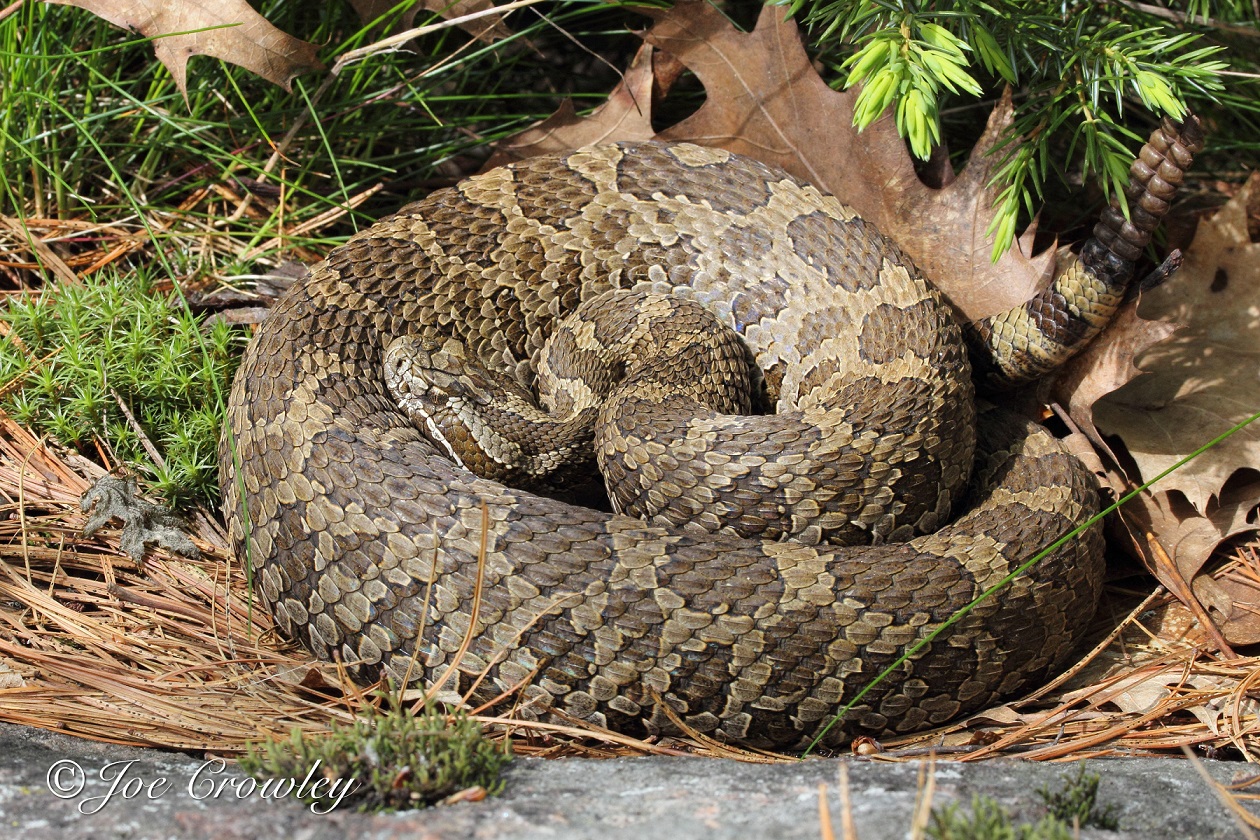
{"x": 11, "y": 8}
{"x": 45, "y": 254}
{"x": 1182, "y": 17}
{"x": 474, "y": 611}
{"x": 393, "y": 42}
{"x": 1181, "y": 588}
{"x": 149, "y": 448}
{"x": 826, "y": 832}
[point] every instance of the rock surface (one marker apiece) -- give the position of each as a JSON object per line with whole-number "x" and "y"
{"x": 179, "y": 796}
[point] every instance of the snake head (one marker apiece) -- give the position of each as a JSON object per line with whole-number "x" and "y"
{"x": 484, "y": 421}
{"x": 426, "y": 373}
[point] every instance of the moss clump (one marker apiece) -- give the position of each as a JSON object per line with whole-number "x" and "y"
{"x": 75, "y": 352}
{"x": 1072, "y": 806}
{"x": 1077, "y": 801}
{"x": 988, "y": 820}
{"x": 397, "y": 759}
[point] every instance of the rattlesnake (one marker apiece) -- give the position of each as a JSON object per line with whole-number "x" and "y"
{"x": 374, "y": 546}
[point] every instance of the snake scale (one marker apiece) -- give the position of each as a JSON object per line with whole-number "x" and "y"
{"x": 367, "y": 532}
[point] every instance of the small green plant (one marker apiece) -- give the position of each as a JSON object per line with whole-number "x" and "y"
{"x": 1073, "y": 806}
{"x": 1077, "y": 801}
{"x": 396, "y": 759}
{"x": 988, "y": 820}
{"x": 80, "y": 358}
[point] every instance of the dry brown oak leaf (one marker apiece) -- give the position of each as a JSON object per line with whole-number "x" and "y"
{"x": 1165, "y": 388}
{"x": 1205, "y": 378}
{"x": 1230, "y": 598}
{"x": 243, "y": 36}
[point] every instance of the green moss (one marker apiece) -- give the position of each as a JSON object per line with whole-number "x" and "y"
{"x": 115, "y": 340}
{"x": 397, "y": 759}
{"x": 987, "y": 820}
{"x": 1073, "y": 805}
{"x": 1077, "y": 801}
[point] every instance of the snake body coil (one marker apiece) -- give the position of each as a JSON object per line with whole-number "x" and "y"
{"x": 367, "y": 536}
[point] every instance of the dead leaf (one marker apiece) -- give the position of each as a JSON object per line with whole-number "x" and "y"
{"x": 1191, "y": 536}
{"x": 1147, "y": 689}
{"x": 1175, "y": 369}
{"x": 318, "y": 679}
{"x": 625, "y": 115}
{"x": 244, "y": 38}
{"x": 1189, "y": 539}
{"x": 1002, "y": 715}
{"x": 10, "y": 678}
{"x": 1233, "y": 601}
{"x": 488, "y": 29}
{"x": 1205, "y": 378}
{"x": 765, "y": 100}
{"x": 1142, "y": 692}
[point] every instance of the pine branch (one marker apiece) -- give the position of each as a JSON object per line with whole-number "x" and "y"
{"x": 1076, "y": 67}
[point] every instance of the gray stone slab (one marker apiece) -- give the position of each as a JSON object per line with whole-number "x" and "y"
{"x": 180, "y": 796}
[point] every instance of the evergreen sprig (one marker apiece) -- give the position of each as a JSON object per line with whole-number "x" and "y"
{"x": 1074, "y": 66}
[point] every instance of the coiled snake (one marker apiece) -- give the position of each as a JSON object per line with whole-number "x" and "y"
{"x": 366, "y": 531}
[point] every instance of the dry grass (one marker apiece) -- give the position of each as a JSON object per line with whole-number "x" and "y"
{"x": 174, "y": 655}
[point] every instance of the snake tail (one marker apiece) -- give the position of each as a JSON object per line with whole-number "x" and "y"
{"x": 1029, "y": 341}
